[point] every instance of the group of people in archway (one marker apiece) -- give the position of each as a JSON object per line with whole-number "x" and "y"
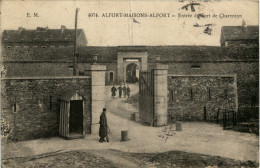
{"x": 125, "y": 90}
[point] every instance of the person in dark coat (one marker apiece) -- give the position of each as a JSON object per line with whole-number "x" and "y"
{"x": 124, "y": 91}
{"x": 113, "y": 90}
{"x": 120, "y": 91}
{"x": 128, "y": 91}
{"x": 103, "y": 129}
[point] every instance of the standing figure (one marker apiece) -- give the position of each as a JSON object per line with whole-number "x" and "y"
{"x": 103, "y": 127}
{"x": 128, "y": 91}
{"x": 124, "y": 91}
{"x": 113, "y": 90}
{"x": 120, "y": 91}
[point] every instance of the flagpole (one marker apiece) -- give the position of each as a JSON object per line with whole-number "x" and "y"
{"x": 75, "y": 44}
{"x": 132, "y": 33}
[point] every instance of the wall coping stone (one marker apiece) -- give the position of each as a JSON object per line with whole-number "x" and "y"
{"x": 159, "y": 67}
{"x": 202, "y": 75}
{"x": 45, "y": 77}
{"x": 97, "y": 67}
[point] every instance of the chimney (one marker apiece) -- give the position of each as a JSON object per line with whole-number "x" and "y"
{"x": 20, "y": 29}
{"x": 244, "y": 26}
{"x": 42, "y": 29}
{"x": 62, "y": 28}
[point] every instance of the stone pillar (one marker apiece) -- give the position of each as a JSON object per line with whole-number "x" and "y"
{"x": 160, "y": 94}
{"x": 97, "y": 74}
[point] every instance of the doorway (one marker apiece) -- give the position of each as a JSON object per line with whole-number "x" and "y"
{"x": 76, "y": 117}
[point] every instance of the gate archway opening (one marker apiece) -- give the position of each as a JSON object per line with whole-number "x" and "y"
{"x": 132, "y": 73}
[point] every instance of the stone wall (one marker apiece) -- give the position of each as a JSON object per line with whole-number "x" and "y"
{"x": 31, "y": 105}
{"x": 16, "y": 69}
{"x": 198, "y": 97}
{"x": 247, "y": 73}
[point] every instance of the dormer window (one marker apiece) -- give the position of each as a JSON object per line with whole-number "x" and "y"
{"x": 95, "y": 58}
{"x": 195, "y": 67}
{"x": 158, "y": 57}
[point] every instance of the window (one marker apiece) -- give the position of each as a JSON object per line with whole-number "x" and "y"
{"x": 231, "y": 45}
{"x": 191, "y": 94}
{"x": 9, "y": 47}
{"x": 111, "y": 76}
{"x": 172, "y": 94}
{"x": 81, "y": 73}
{"x": 209, "y": 94}
{"x": 17, "y": 46}
{"x": 50, "y": 102}
{"x": 195, "y": 67}
{"x": 43, "y": 46}
{"x": 35, "y": 46}
{"x": 14, "y": 107}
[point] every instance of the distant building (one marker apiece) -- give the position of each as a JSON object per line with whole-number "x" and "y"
{"x": 239, "y": 36}
{"x": 43, "y": 38}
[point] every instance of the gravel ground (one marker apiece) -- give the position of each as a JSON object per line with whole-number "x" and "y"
{"x": 68, "y": 159}
{"x": 93, "y": 159}
{"x": 180, "y": 159}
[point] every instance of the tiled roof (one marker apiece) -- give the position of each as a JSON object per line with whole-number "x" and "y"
{"x": 109, "y": 54}
{"x": 39, "y": 35}
{"x": 240, "y": 32}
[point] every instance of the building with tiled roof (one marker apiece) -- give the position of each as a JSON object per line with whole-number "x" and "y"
{"x": 239, "y": 36}
{"x": 42, "y": 37}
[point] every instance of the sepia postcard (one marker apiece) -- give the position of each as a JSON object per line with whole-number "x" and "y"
{"x": 126, "y": 84}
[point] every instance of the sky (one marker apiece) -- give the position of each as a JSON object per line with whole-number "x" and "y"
{"x": 120, "y": 31}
